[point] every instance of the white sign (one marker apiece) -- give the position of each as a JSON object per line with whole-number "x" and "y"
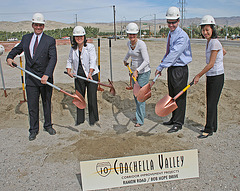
{"x": 136, "y": 170}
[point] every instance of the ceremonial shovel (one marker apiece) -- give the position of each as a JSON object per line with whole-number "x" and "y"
{"x": 136, "y": 86}
{"x": 112, "y": 89}
{"x": 167, "y": 104}
{"x": 78, "y": 100}
{"x": 145, "y": 92}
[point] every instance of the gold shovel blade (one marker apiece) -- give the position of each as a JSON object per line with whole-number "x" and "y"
{"x": 144, "y": 93}
{"x": 79, "y": 101}
{"x": 136, "y": 88}
{"x": 112, "y": 89}
{"x": 165, "y": 106}
{"x": 144, "y": 97}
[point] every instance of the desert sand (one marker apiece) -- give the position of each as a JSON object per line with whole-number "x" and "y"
{"x": 52, "y": 162}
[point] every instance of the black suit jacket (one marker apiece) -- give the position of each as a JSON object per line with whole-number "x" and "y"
{"x": 43, "y": 62}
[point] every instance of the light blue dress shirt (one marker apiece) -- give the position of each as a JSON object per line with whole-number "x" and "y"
{"x": 180, "y": 50}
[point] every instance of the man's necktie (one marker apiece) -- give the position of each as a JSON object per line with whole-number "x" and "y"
{"x": 168, "y": 44}
{"x": 35, "y": 45}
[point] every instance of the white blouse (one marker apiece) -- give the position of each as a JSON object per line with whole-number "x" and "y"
{"x": 88, "y": 59}
{"x": 218, "y": 68}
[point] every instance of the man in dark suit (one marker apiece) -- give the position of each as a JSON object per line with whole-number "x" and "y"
{"x": 40, "y": 57}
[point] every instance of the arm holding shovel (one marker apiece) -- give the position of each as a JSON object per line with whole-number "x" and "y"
{"x": 207, "y": 67}
{"x": 158, "y": 73}
{"x": 90, "y": 74}
{"x": 10, "y": 61}
{"x": 44, "y": 79}
{"x": 13, "y": 53}
{"x": 17, "y": 50}
{"x": 69, "y": 72}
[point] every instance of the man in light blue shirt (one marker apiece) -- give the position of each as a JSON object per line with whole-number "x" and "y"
{"x": 177, "y": 56}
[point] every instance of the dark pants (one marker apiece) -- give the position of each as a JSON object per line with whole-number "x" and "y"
{"x": 33, "y": 93}
{"x": 81, "y": 86}
{"x": 177, "y": 81}
{"x": 214, "y": 85}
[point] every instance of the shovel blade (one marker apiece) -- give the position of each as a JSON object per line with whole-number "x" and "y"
{"x": 165, "y": 106}
{"x": 112, "y": 89}
{"x": 79, "y": 100}
{"x": 144, "y": 97}
{"x": 136, "y": 89}
{"x": 144, "y": 93}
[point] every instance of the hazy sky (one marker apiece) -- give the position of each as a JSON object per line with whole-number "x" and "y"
{"x": 102, "y": 10}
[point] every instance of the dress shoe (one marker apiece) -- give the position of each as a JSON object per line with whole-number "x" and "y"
{"x": 168, "y": 123}
{"x": 51, "y": 131}
{"x": 78, "y": 123}
{"x": 205, "y": 136}
{"x": 32, "y": 136}
{"x": 175, "y": 128}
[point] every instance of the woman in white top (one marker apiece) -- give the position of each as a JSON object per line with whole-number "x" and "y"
{"x": 139, "y": 65}
{"x": 215, "y": 74}
{"x": 82, "y": 61}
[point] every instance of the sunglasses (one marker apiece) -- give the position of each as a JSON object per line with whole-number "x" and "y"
{"x": 38, "y": 25}
{"x": 174, "y": 22}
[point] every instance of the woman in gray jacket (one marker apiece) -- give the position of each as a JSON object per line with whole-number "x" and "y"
{"x": 140, "y": 66}
{"x": 82, "y": 62}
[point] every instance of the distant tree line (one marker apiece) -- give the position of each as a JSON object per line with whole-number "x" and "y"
{"x": 193, "y": 31}
{"x": 57, "y": 33}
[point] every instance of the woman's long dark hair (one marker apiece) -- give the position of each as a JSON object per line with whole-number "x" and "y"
{"x": 214, "y": 31}
{"x": 74, "y": 43}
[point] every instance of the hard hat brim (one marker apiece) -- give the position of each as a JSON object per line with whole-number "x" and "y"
{"x": 78, "y": 35}
{"x": 206, "y": 24}
{"x": 38, "y": 22}
{"x": 172, "y": 18}
{"x": 132, "y": 32}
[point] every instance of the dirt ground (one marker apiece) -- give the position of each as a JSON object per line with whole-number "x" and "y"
{"x": 52, "y": 162}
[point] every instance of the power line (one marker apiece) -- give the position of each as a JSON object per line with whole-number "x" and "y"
{"x": 56, "y": 11}
{"x": 182, "y": 10}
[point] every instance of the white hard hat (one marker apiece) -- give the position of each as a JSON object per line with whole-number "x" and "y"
{"x": 207, "y": 20}
{"x": 132, "y": 28}
{"x": 173, "y": 13}
{"x": 38, "y": 18}
{"x": 79, "y": 31}
{"x": 2, "y": 49}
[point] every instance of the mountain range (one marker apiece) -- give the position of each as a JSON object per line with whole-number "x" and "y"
{"x": 108, "y": 27}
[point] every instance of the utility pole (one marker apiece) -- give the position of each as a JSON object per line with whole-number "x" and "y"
{"x": 125, "y": 25}
{"x": 76, "y": 20}
{"x": 121, "y": 28}
{"x": 149, "y": 31}
{"x": 226, "y": 31}
{"x": 155, "y": 25}
{"x": 182, "y": 10}
{"x": 114, "y": 18}
{"x": 140, "y": 28}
